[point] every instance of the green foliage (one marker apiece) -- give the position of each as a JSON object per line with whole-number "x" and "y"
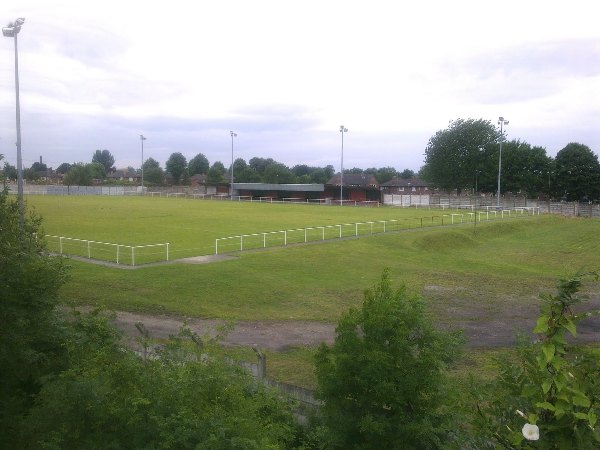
{"x": 553, "y": 384}
{"x": 10, "y": 171}
{"x": 78, "y": 175}
{"x": 63, "y": 168}
{"x": 216, "y": 172}
{"x": 183, "y": 396}
{"x": 453, "y": 155}
{"x": 29, "y": 336}
{"x": 382, "y": 380}
{"x": 576, "y": 173}
{"x": 198, "y": 164}
{"x": 524, "y": 168}
{"x": 105, "y": 159}
{"x": 176, "y": 166}
{"x": 68, "y": 383}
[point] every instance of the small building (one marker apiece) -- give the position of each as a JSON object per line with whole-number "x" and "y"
{"x": 413, "y": 185}
{"x": 358, "y": 187}
{"x": 124, "y": 175}
{"x": 405, "y": 192}
{"x": 280, "y": 192}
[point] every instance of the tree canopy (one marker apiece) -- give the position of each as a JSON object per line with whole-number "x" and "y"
{"x": 453, "y": 155}
{"x": 198, "y": 165}
{"x": 176, "y": 165}
{"x": 105, "y": 158}
{"x": 576, "y": 173}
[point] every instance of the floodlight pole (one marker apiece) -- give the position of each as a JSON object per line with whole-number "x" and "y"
{"x": 233, "y": 134}
{"x": 501, "y": 122}
{"x": 12, "y": 30}
{"x": 142, "y": 138}
{"x": 342, "y": 130}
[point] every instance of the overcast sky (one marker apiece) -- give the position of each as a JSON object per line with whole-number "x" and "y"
{"x": 285, "y": 75}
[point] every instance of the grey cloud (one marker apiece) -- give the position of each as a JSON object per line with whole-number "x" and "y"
{"x": 528, "y": 71}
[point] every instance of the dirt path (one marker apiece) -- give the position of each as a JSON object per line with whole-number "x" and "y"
{"x": 280, "y": 335}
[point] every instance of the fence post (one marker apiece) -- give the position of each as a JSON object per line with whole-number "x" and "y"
{"x": 167, "y": 251}
{"x": 60, "y": 244}
{"x": 264, "y": 240}
{"x": 89, "y": 254}
{"x": 117, "y": 253}
{"x": 284, "y": 237}
{"x": 217, "y": 246}
{"x": 305, "y": 232}
{"x": 241, "y": 243}
{"x": 356, "y": 229}
{"x": 133, "y": 256}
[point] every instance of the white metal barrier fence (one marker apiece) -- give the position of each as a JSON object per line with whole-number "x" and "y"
{"x": 326, "y": 232}
{"x": 107, "y": 251}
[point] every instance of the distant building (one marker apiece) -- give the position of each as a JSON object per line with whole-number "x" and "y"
{"x": 412, "y": 185}
{"x": 358, "y": 187}
{"x": 124, "y": 175}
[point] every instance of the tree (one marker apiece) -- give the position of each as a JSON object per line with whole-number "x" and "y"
{"x": 216, "y": 172}
{"x": 319, "y": 175}
{"x": 198, "y": 165}
{"x": 153, "y": 173}
{"x": 176, "y": 164}
{"x": 247, "y": 175}
{"x": 96, "y": 170}
{"x": 39, "y": 167}
{"x": 30, "y": 345}
{"x": 150, "y": 163}
{"x": 278, "y": 173}
{"x": 31, "y": 174}
{"x": 453, "y": 155}
{"x": 104, "y": 158}
{"x": 577, "y": 173}
{"x": 381, "y": 379}
{"x": 260, "y": 164}
{"x": 78, "y": 175}
{"x": 63, "y": 168}
{"x": 407, "y": 173}
{"x": 238, "y": 165}
{"x": 524, "y": 169}
{"x": 10, "y": 171}
{"x": 384, "y": 174}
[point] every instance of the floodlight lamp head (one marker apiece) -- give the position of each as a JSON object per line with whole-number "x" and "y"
{"x": 8, "y": 31}
{"x": 20, "y": 21}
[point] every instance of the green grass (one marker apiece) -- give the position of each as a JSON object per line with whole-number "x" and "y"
{"x": 191, "y": 226}
{"x": 491, "y": 268}
{"x": 482, "y": 271}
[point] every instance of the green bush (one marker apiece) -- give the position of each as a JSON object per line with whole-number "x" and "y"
{"x": 549, "y": 397}
{"x": 382, "y": 381}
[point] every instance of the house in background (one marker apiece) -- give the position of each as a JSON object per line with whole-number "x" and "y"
{"x": 405, "y": 191}
{"x": 124, "y": 175}
{"x": 358, "y": 187}
{"x": 411, "y": 185}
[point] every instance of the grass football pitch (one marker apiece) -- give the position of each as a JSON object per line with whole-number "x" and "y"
{"x": 483, "y": 273}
